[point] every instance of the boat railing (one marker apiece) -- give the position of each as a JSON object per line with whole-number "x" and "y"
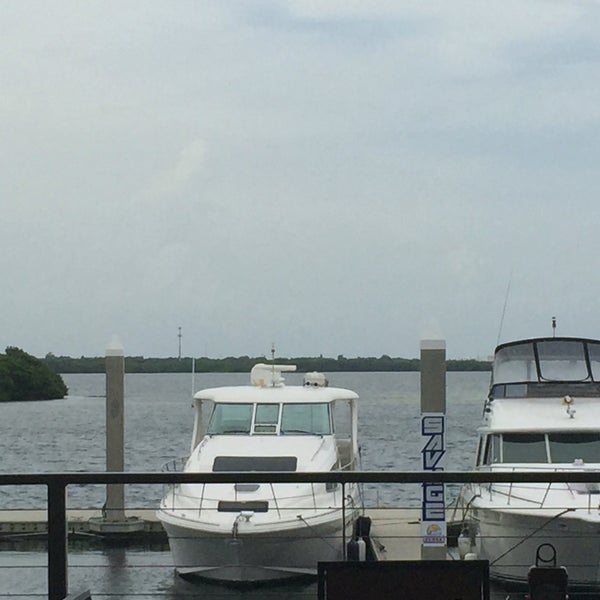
{"x": 590, "y": 490}
{"x": 175, "y": 465}
{"x": 176, "y": 498}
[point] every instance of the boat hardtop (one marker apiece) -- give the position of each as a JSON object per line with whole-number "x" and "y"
{"x": 542, "y": 384}
{"x": 545, "y": 362}
{"x": 246, "y": 394}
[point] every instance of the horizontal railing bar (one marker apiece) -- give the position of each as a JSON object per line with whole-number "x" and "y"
{"x": 79, "y": 478}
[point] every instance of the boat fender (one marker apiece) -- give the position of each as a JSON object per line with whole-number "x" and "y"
{"x": 357, "y": 550}
{"x": 362, "y": 527}
{"x": 362, "y": 549}
{"x": 464, "y": 544}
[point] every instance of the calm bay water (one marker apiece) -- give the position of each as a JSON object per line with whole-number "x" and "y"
{"x": 68, "y": 435}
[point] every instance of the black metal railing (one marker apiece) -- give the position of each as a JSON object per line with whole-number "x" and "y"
{"x": 57, "y": 484}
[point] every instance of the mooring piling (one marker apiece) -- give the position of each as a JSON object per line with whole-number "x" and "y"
{"x": 433, "y": 430}
{"x": 114, "y": 520}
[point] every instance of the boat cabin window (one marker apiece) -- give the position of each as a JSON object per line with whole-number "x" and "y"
{"x": 560, "y": 447}
{"x": 568, "y": 447}
{"x": 546, "y": 361}
{"x": 524, "y": 448}
{"x": 492, "y": 453}
{"x": 261, "y": 419}
{"x": 306, "y": 419}
{"x": 515, "y": 363}
{"x": 510, "y": 390}
{"x": 266, "y": 418}
{"x": 342, "y": 419}
{"x": 562, "y": 361}
{"x": 230, "y": 419}
{"x": 594, "y": 355}
{"x": 480, "y": 448}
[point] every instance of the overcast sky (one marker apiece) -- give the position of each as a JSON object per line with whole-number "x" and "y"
{"x": 336, "y": 177}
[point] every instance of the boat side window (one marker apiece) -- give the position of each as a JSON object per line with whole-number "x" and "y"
{"x": 230, "y": 419}
{"x": 568, "y": 447}
{"x": 480, "y": 446}
{"x": 524, "y": 448}
{"x": 311, "y": 419}
{"x": 492, "y": 450}
{"x": 266, "y": 418}
{"x": 594, "y": 354}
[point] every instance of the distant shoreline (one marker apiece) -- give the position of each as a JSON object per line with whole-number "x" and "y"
{"x": 243, "y": 364}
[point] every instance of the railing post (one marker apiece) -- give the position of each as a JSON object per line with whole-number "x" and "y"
{"x": 344, "y": 521}
{"x": 57, "y": 540}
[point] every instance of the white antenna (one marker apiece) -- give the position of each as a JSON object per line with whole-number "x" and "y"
{"x": 273, "y": 361}
{"x": 193, "y": 376}
{"x": 504, "y": 307}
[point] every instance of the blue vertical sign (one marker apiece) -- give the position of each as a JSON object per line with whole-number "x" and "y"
{"x": 433, "y": 516}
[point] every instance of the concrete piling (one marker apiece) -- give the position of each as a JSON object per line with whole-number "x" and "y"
{"x": 433, "y": 429}
{"x": 114, "y": 520}
{"x": 115, "y": 429}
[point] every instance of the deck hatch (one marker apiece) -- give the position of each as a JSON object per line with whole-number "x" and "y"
{"x": 254, "y": 463}
{"x": 232, "y": 506}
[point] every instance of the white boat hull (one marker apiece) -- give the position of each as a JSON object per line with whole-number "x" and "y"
{"x": 254, "y": 557}
{"x": 510, "y": 541}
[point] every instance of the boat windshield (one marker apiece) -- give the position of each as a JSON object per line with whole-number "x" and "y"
{"x": 562, "y": 361}
{"x": 260, "y": 419}
{"x": 569, "y": 447}
{"x": 306, "y": 419}
{"x": 559, "y": 447}
{"x": 547, "y": 361}
{"x": 230, "y": 418}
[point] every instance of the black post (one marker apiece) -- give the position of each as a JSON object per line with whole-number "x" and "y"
{"x": 344, "y": 521}
{"x": 57, "y": 541}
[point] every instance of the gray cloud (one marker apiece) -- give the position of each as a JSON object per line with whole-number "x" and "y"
{"x": 337, "y": 177}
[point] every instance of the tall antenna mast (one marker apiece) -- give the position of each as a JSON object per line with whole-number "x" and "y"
{"x": 553, "y": 326}
{"x": 504, "y": 307}
{"x": 179, "y": 336}
{"x": 273, "y": 361}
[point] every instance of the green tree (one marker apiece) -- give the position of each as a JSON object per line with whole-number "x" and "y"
{"x": 24, "y": 377}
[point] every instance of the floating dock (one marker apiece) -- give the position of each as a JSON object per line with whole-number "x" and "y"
{"x": 395, "y": 532}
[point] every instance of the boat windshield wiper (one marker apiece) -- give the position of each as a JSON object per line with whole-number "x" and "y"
{"x": 300, "y": 431}
{"x": 235, "y": 431}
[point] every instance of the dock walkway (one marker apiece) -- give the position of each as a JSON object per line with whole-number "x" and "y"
{"x": 395, "y": 532}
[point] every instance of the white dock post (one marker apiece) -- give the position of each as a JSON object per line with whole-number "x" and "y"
{"x": 114, "y": 520}
{"x": 433, "y": 429}
{"x": 115, "y": 429}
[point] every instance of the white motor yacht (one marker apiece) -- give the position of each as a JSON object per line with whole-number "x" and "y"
{"x": 542, "y": 413}
{"x": 248, "y": 532}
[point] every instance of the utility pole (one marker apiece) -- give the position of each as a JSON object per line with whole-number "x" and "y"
{"x": 179, "y": 336}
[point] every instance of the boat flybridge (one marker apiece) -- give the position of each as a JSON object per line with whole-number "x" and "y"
{"x": 247, "y": 532}
{"x": 542, "y": 413}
